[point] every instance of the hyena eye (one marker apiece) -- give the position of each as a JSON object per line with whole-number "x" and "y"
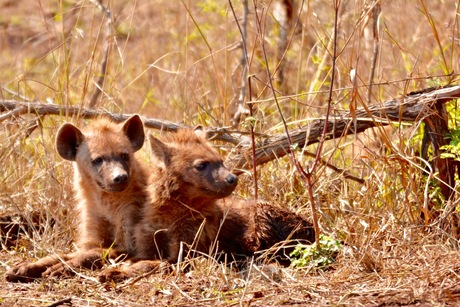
{"x": 201, "y": 166}
{"x": 125, "y": 157}
{"x": 97, "y": 161}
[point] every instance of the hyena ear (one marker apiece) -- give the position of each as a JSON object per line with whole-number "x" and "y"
{"x": 159, "y": 150}
{"x": 68, "y": 139}
{"x": 201, "y": 132}
{"x": 134, "y": 130}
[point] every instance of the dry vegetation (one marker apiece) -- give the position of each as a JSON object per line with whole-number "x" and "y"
{"x": 179, "y": 61}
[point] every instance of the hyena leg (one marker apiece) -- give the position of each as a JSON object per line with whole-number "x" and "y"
{"x": 91, "y": 259}
{"x": 133, "y": 270}
{"x": 27, "y": 272}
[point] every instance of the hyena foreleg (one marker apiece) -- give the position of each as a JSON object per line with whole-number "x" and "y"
{"x": 57, "y": 265}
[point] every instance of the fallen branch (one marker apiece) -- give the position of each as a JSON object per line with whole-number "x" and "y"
{"x": 16, "y": 108}
{"x": 413, "y": 107}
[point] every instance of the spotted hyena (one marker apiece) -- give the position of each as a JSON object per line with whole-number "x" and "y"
{"x": 190, "y": 208}
{"x": 110, "y": 188}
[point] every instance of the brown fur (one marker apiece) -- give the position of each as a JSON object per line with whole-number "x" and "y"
{"x": 110, "y": 186}
{"x": 253, "y": 227}
{"x": 188, "y": 187}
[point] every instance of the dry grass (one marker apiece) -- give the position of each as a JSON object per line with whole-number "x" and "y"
{"x": 177, "y": 60}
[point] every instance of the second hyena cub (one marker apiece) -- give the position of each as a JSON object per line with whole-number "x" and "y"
{"x": 188, "y": 189}
{"x": 110, "y": 186}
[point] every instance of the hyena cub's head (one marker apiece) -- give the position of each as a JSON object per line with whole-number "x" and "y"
{"x": 191, "y": 169}
{"x": 103, "y": 151}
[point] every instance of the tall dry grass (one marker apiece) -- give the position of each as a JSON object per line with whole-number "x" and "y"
{"x": 179, "y": 60}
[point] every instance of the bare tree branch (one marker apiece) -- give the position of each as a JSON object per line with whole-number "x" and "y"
{"x": 410, "y": 108}
{"x": 413, "y": 107}
{"x": 14, "y": 108}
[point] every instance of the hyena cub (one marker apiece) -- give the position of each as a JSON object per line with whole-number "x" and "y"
{"x": 188, "y": 190}
{"x": 110, "y": 186}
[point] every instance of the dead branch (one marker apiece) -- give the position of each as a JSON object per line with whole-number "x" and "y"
{"x": 413, "y": 107}
{"x": 16, "y": 108}
{"x": 410, "y": 108}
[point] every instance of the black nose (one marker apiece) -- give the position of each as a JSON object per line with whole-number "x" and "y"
{"x": 120, "y": 179}
{"x": 231, "y": 179}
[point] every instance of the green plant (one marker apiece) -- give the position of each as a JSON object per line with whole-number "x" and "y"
{"x": 317, "y": 256}
{"x": 453, "y": 149}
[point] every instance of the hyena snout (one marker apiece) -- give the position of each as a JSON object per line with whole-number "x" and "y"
{"x": 121, "y": 179}
{"x": 231, "y": 180}
{"x": 117, "y": 179}
{"x": 227, "y": 183}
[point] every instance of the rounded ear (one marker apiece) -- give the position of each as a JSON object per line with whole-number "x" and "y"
{"x": 159, "y": 150}
{"x": 68, "y": 139}
{"x": 134, "y": 130}
{"x": 201, "y": 132}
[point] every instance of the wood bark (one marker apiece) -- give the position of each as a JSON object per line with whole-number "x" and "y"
{"x": 437, "y": 134}
{"x": 410, "y": 108}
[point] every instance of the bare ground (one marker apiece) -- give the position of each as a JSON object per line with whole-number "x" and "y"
{"x": 424, "y": 276}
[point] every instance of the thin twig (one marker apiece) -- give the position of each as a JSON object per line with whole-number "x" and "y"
{"x": 211, "y": 53}
{"x": 100, "y": 80}
{"x": 15, "y": 94}
{"x": 244, "y": 62}
{"x": 426, "y": 12}
{"x": 336, "y": 169}
{"x": 329, "y": 99}
{"x": 325, "y": 128}
{"x": 375, "y": 29}
{"x": 253, "y": 148}
{"x": 303, "y": 175}
{"x": 182, "y": 292}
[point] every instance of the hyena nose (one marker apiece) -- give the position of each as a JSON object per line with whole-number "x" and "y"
{"x": 231, "y": 179}
{"x": 120, "y": 179}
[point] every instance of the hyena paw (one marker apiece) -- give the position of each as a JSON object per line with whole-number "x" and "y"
{"x": 59, "y": 270}
{"x": 24, "y": 272}
{"x": 113, "y": 275}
